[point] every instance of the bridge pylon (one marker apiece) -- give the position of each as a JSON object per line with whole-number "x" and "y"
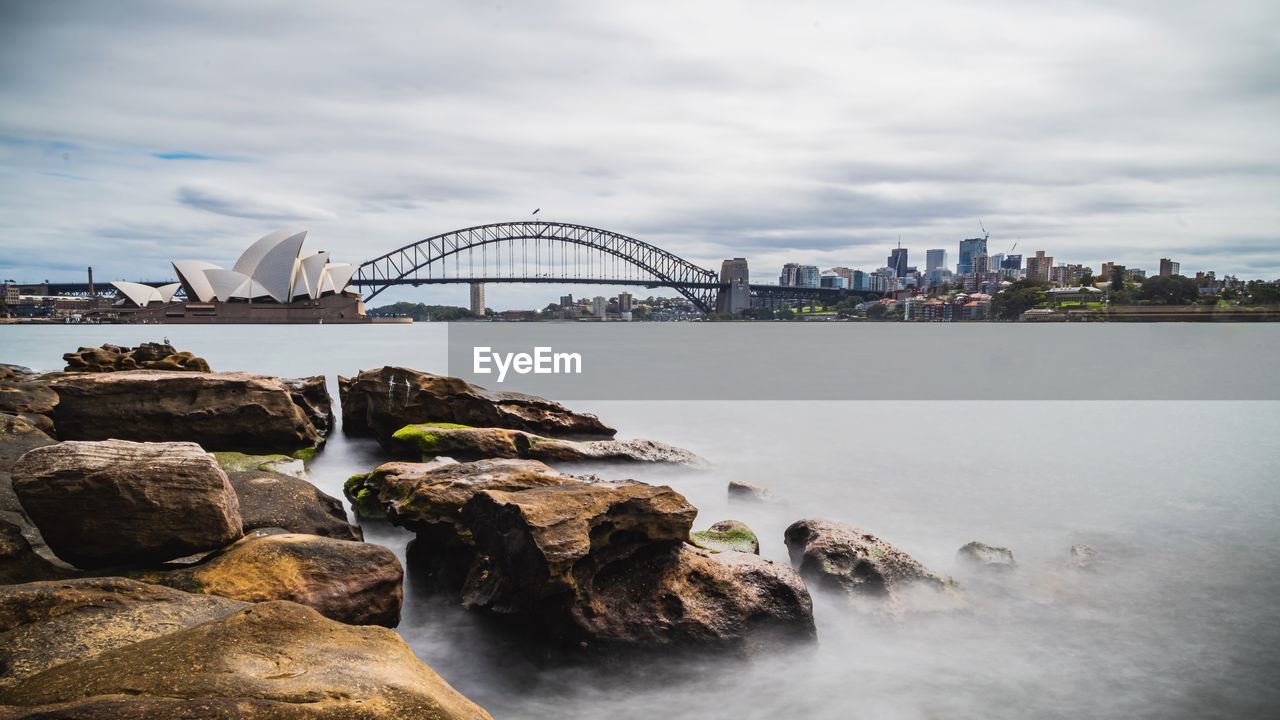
{"x": 736, "y": 297}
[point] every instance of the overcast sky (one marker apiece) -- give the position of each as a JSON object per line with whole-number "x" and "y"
{"x": 819, "y": 132}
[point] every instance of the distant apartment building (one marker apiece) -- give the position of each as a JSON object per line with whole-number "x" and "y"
{"x": 599, "y": 306}
{"x": 790, "y": 276}
{"x": 566, "y": 301}
{"x": 1169, "y": 267}
{"x": 1135, "y": 274}
{"x": 969, "y": 249}
{"x": 844, "y": 272}
{"x": 1040, "y": 267}
{"x": 477, "y": 299}
{"x": 625, "y": 300}
{"x": 882, "y": 280}
{"x": 810, "y": 276}
{"x": 1011, "y": 262}
{"x": 10, "y": 294}
{"x": 935, "y": 260}
{"x": 831, "y": 280}
{"x": 1067, "y": 274}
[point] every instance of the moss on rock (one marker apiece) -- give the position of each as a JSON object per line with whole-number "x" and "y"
{"x": 364, "y": 499}
{"x": 241, "y": 462}
{"x": 727, "y": 535}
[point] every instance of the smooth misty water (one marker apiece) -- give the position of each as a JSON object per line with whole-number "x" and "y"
{"x": 1179, "y": 618}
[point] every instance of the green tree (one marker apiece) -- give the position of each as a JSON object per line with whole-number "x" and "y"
{"x": 1087, "y": 278}
{"x": 877, "y": 312}
{"x": 1261, "y": 293}
{"x": 1019, "y": 297}
{"x": 1169, "y": 290}
{"x": 1117, "y": 278}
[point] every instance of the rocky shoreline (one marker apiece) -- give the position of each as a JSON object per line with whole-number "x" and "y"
{"x": 155, "y": 562}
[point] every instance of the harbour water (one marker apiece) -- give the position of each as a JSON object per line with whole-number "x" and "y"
{"x": 1181, "y": 500}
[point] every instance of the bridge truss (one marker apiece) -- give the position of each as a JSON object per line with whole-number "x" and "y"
{"x": 538, "y": 252}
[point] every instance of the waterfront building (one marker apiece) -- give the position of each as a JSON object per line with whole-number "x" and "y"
{"x": 566, "y": 301}
{"x": 1039, "y": 267}
{"x": 625, "y": 300}
{"x": 790, "y": 276}
{"x": 1135, "y": 274}
{"x": 810, "y": 276}
{"x": 1169, "y": 267}
{"x": 1081, "y": 294}
{"x": 599, "y": 306}
{"x": 969, "y": 249}
{"x": 477, "y": 299}
{"x": 832, "y": 281}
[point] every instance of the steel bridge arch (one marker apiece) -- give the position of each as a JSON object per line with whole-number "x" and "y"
{"x": 401, "y": 266}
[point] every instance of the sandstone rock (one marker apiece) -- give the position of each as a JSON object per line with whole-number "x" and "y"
{"x": 275, "y": 463}
{"x": 428, "y": 497}
{"x": 221, "y": 411}
{"x": 43, "y": 624}
{"x": 1083, "y": 556}
{"x": 535, "y": 546}
{"x": 99, "y": 504}
{"x": 468, "y": 443}
{"x": 986, "y": 557}
{"x": 673, "y": 593}
{"x": 17, "y": 436}
{"x": 29, "y": 397}
{"x": 749, "y": 493}
{"x": 272, "y": 500}
{"x": 19, "y": 561}
{"x": 16, "y": 372}
{"x": 352, "y": 582}
{"x": 312, "y": 395}
{"x": 380, "y": 402}
{"x": 727, "y": 536}
{"x": 270, "y": 661}
{"x": 150, "y": 356}
{"x": 841, "y": 557}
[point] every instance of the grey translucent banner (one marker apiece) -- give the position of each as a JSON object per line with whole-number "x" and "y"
{"x": 870, "y": 361}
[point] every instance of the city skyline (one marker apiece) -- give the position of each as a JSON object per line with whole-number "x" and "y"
{"x": 825, "y": 143}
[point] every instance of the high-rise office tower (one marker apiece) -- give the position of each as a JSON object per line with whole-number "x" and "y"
{"x": 898, "y": 261}
{"x": 969, "y": 249}
{"x": 935, "y": 260}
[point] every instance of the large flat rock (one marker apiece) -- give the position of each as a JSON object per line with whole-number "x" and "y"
{"x": 272, "y": 500}
{"x": 43, "y": 624}
{"x": 221, "y": 411}
{"x": 469, "y": 443}
{"x": 380, "y": 402}
{"x": 352, "y": 582}
{"x": 273, "y": 660}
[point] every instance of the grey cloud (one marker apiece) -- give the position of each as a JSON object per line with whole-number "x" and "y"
{"x": 244, "y": 205}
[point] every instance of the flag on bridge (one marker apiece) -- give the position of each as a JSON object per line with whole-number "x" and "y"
{"x": 535, "y": 212}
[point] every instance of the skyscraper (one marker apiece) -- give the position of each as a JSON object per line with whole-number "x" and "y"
{"x": 790, "y": 276}
{"x": 898, "y": 261}
{"x": 477, "y": 299}
{"x": 810, "y": 276}
{"x": 969, "y": 249}
{"x": 624, "y": 302}
{"x": 935, "y": 260}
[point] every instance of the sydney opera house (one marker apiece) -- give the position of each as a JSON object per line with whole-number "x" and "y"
{"x": 272, "y": 281}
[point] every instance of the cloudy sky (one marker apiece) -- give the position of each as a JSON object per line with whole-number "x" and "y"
{"x": 132, "y": 133}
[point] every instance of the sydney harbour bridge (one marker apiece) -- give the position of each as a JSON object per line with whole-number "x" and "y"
{"x": 562, "y": 253}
